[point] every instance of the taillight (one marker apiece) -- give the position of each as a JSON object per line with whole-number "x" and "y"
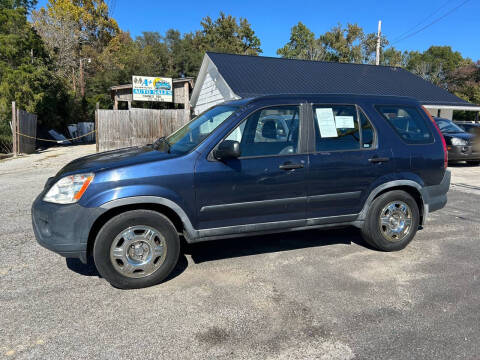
{"x": 445, "y": 152}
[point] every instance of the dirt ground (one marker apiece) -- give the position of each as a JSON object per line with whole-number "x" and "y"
{"x": 303, "y": 295}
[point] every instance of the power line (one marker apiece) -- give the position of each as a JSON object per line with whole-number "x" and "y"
{"x": 422, "y": 21}
{"x": 431, "y": 23}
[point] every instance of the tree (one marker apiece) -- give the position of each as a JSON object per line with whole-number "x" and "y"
{"x": 393, "y": 57}
{"x": 27, "y": 5}
{"x": 340, "y": 44}
{"x": 226, "y": 35}
{"x": 74, "y": 29}
{"x": 465, "y": 83}
{"x": 302, "y": 45}
{"x": 26, "y": 75}
{"x": 62, "y": 37}
{"x": 436, "y": 64}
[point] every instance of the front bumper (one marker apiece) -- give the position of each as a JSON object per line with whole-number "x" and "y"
{"x": 435, "y": 196}
{"x": 63, "y": 229}
{"x": 462, "y": 153}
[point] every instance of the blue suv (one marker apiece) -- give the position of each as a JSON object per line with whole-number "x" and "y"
{"x": 248, "y": 167}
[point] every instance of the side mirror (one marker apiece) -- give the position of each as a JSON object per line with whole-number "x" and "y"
{"x": 227, "y": 149}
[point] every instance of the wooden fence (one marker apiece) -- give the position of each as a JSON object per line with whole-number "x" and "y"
{"x": 122, "y": 128}
{"x": 24, "y": 131}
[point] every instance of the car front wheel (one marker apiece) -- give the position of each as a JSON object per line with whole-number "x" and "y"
{"x": 392, "y": 221}
{"x": 136, "y": 249}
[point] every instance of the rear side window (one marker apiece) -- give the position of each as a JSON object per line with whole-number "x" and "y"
{"x": 408, "y": 123}
{"x": 337, "y": 128}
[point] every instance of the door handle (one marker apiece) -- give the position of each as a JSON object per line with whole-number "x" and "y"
{"x": 290, "y": 166}
{"x": 378, "y": 159}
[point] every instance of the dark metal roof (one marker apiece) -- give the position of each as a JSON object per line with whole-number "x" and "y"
{"x": 251, "y": 76}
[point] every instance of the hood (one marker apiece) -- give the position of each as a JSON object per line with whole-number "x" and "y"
{"x": 460, "y": 135}
{"x": 114, "y": 159}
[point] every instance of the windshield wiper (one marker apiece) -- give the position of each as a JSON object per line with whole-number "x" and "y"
{"x": 160, "y": 141}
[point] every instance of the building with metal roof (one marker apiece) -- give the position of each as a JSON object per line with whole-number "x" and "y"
{"x": 225, "y": 77}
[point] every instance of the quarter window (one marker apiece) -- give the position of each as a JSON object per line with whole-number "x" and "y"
{"x": 368, "y": 133}
{"x": 408, "y": 123}
{"x": 270, "y": 131}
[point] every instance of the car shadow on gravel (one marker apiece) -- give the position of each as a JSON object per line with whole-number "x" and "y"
{"x": 90, "y": 269}
{"x": 245, "y": 246}
{"x": 271, "y": 243}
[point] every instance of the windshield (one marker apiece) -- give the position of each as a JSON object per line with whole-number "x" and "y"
{"x": 448, "y": 127}
{"x": 189, "y": 136}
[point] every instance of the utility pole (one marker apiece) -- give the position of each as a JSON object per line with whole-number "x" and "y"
{"x": 74, "y": 82}
{"x": 82, "y": 82}
{"x": 379, "y": 35}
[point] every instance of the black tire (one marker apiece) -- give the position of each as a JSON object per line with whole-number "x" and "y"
{"x": 371, "y": 230}
{"x": 473, "y": 162}
{"x": 118, "y": 224}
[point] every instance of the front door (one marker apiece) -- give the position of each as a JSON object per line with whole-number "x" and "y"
{"x": 346, "y": 160}
{"x": 265, "y": 184}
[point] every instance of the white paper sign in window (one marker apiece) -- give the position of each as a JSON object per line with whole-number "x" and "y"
{"x": 344, "y": 122}
{"x": 326, "y": 122}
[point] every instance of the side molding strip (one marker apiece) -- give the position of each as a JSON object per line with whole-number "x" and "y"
{"x": 252, "y": 204}
{"x": 333, "y": 197}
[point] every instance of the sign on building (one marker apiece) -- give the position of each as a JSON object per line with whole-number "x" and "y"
{"x": 146, "y": 88}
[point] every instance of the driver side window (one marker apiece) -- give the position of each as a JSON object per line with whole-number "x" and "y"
{"x": 269, "y": 131}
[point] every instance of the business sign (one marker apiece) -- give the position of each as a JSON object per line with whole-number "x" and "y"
{"x": 146, "y": 88}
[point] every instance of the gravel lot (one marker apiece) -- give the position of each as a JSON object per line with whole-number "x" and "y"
{"x": 305, "y": 295}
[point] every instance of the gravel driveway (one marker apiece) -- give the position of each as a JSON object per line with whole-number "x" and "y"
{"x": 302, "y": 295}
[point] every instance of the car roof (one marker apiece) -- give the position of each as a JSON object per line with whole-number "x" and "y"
{"x": 345, "y": 98}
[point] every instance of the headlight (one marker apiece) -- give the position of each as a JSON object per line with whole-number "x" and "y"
{"x": 69, "y": 190}
{"x": 458, "y": 141}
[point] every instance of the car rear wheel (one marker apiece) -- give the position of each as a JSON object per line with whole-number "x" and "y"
{"x": 392, "y": 221}
{"x": 136, "y": 249}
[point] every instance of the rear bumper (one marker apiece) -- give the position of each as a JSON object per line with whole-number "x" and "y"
{"x": 461, "y": 153}
{"x": 435, "y": 196}
{"x": 63, "y": 229}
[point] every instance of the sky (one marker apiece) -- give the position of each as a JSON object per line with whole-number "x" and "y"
{"x": 272, "y": 20}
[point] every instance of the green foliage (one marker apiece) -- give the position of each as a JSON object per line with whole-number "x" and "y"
{"x": 393, "y": 57}
{"x": 225, "y": 34}
{"x": 302, "y": 45}
{"x": 340, "y": 44}
{"x": 436, "y": 64}
{"x": 27, "y": 5}
{"x": 25, "y": 74}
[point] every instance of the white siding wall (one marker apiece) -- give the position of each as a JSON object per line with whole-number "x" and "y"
{"x": 209, "y": 96}
{"x": 446, "y": 114}
{"x": 213, "y": 89}
{"x": 443, "y": 113}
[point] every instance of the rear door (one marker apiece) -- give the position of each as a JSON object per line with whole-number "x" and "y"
{"x": 267, "y": 183}
{"x": 346, "y": 159}
{"x": 417, "y": 133}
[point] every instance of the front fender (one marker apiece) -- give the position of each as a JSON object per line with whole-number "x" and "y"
{"x": 190, "y": 232}
{"x": 101, "y": 197}
{"x": 143, "y": 194}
